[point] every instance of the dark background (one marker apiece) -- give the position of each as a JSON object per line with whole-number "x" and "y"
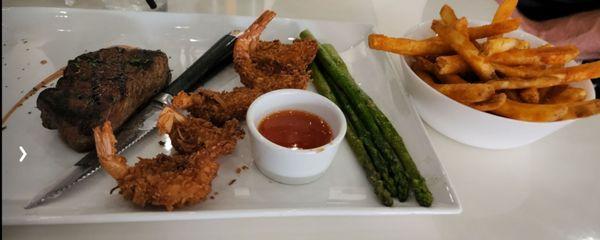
{"x": 540, "y": 10}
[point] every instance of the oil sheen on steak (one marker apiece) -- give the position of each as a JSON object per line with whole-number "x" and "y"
{"x": 108, "y": 84}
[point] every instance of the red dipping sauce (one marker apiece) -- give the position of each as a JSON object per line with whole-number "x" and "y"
{"x": 296, "y": 129}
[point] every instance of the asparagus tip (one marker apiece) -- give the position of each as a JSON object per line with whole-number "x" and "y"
{"x": 422, "y": 193}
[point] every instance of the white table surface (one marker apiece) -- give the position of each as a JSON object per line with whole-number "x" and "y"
{"x": 547, "y": 190}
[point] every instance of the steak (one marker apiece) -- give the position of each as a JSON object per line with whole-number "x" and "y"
{"x": 108, "y": 84}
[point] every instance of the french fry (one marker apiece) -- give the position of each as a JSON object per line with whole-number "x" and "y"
{"x": 463, "y": 46}
{"x": 522, "y": 44}
{"x": 549, "y": 92}
{"x": 583, "y": 72}
{"x": 422, "y": 63}
{"x": 491, "y": 104}
{"x": 435, "y": 46}
{"x": 512, "y": 94}
{"x": 582, "y": 109}
{"x": 425, "y": 77}
{"x": 566, "y": 94}
{"x": 536, "y": 56}
{"x": 409, "y": 47}
{"x": 530, "y": 95}
{"x": 532, "y": 112}
{"x": 488, "y": 30}
{"x": 534, "y": 84}
{"x": 520, "y": 83}
{"x": 451, "y": 79}
{"x": 453, "y": 64}
{"x": 544, "y": 93}
{"x": 432, "y": 68}
{"x": 464, "y": 92}
{"x": 530, "y": 71}
{"x": 499, "y": 44}
{"x": 573, "y": 74}
{"x": 505, "y": 9}
{"x": 447, "y": 14}
{"x": 494, "y": 29}
{"x": 462, "y": 25}
{"x": 467, "y": 92}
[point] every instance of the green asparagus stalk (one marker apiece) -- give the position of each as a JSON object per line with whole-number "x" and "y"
{"x": 384, "y": 196}
{"x": 376, "y": 159}
{"x": 393, "y": 162}
{"x": 321, "y": 84}
{"x": 334, "y": 65}
{"x": 371, "y": 139}
{"x": 417, "y": 182}
{"x": 355, "y": 143}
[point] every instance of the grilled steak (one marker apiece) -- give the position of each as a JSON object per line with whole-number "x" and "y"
{"x": 108, "y": 84}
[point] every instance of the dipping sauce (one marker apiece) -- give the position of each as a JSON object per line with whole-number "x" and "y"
{"x": 296, "y": 129}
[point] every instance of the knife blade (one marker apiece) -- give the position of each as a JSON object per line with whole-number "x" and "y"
{"x": 144, "y": 121}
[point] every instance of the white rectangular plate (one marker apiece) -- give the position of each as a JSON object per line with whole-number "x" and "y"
{"x": 31, "y": 35}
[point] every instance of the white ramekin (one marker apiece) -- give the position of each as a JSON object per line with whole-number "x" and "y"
{"x": 470, "y": 126}
{"x": 294, "y": 166}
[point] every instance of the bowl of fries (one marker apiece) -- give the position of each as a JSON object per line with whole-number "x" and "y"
{"x": 491, "y": 85}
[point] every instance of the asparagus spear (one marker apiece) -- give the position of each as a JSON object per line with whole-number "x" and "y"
{"x": 417, "y": 182}
{"x": 363, "y": 134}
{"x": 355, "y": 143}
{"x": 337, "y": 69}
{"x": 376, "y": 136}
{"x": 395, "y": 169}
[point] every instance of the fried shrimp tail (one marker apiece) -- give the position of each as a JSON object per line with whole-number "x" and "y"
{"x": 113, "y": 164}
{"x": 167, "y": 118}
{"x": 272, "y": 65}
{"x": 250, "y": 37}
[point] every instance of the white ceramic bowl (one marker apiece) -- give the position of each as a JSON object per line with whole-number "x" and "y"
{"x": 470, "y": 126}
{"x": 294, "y": 166}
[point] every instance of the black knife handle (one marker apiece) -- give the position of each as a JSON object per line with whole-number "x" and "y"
{"x": 213, "y": 58}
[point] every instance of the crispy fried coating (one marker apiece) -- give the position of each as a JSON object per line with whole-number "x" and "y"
{"x": 166, "y": 181}
{"x": 273, "y": 65}
{"x": 217, "y": 107}
{"x": 189, "y": 134}
{"x": 171, "y": 181}
{"x": 197, "y": 133}
{"x": 277, "y": 57}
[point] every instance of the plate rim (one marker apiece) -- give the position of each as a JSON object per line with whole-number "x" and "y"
{"x": 146, "y": 216}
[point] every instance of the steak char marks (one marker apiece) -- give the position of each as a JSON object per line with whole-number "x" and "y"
{"x": 108, "y": 84}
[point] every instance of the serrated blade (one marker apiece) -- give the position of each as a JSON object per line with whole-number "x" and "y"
{"x": 77, "y": 174}
{"x": 132, "y": 131}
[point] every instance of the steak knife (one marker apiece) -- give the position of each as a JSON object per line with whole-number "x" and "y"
{"x": 144, "y": 121}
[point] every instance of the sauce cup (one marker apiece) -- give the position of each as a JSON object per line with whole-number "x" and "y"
{"x": 287, "y": 165}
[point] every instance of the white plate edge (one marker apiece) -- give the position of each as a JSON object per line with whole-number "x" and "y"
{"x": 456, "y": 208}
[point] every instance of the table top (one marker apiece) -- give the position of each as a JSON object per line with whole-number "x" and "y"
{"x": 546, "y": 190}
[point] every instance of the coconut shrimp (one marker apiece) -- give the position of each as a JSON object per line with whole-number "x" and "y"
{"x": 272, "y": 65}
{"x": 217, "y": 107}
{"x": 170, "y": 181}
{"x": 262, "y": 66}
{"x": 190, "y": 134}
